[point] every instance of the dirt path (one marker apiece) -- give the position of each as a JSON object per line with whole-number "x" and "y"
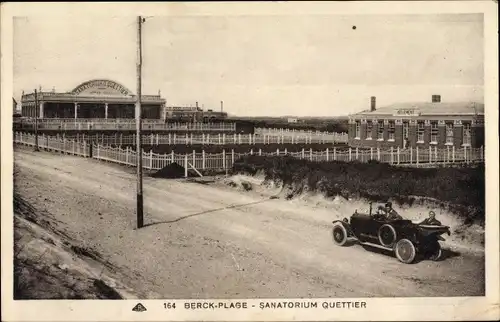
{"x": 204, "y": 241}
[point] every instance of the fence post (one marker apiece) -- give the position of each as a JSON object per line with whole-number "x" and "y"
{"x": 186, "y": 139}
{"x": 172, "y": 156}
{"x": 418, "y": 157}
{"x": 481, "y": 153}
{"x": 151, "y": 158}
{"x": 239, "y": 138}
{"x": 357, "y": 154}
{"x": 453, "y": 154}
{"x": 185, "y": 165}
{"x": 350, "y": 154}
{"x": 232, "y": 157}
{"x": 310, "y": 154}
{"x": 219, "y": 139}
{"x": 392, "y": 155}
{"x": 436, "y": 154}
{"x": 175, "y": 138}
{"x": 465, "y": 154}
{"x": 303, "y": 153}
{"x": 411, "y": 155}
{"x": 126, "y": 155}
{"x": 327, "y": 158}
{"x": 234, "y": 138}
{"x": 194, "y": 158}
{"x": 397, "y": 149}
{"x": 371, "y": 153}
{"x": 334, "y": 154}
{"x": 251, "y": 151}
{"x": 192, "y": 140}
{"x": 430, "y": 154}
{"x": 203, "y": 159}
{"x": 224, "y": 159}
{"x": 223, "y": 138}
{"x": 378, "y": 154}
{"x": 260, "y": 151}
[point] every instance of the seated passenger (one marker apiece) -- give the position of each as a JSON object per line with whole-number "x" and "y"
{"x": 431, "y": 220}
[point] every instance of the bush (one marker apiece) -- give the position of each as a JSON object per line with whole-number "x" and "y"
{"x": 462, "y": 189}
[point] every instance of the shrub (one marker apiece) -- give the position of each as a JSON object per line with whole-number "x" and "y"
{"x": 463, "y": 189}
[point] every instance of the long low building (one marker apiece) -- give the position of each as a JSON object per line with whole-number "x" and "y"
{"x": 107, "y": 99}
{"x": 424, "y": 124}
{"x": 99, "y": 98}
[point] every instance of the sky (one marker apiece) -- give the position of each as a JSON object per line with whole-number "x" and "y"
{"x": 267, "y": 65}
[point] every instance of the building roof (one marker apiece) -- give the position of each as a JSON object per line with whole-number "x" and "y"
{"x": 428, "y": 108}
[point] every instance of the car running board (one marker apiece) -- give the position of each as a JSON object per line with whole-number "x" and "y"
{"x": 376, "y": 245}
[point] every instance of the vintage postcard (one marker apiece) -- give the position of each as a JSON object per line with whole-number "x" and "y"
{"x": 252, "y": 161}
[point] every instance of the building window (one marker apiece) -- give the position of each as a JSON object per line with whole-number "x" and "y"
{"x": 420, "y": 132}
{"x": 467, "y": 134}
{"x": 434, "y": 132}
{"x": 380, "y": 130}
{"x": 449, "y": 133}
{"x": 392, "y": 130}
{"x": 357, "y": 134}
{"x": 369, "y": 129}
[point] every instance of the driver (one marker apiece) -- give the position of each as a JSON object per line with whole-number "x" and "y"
{"x": 431, "y": 220}
{"x": 389, "y": 212}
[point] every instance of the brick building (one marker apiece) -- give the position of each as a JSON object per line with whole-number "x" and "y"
{"x": 423, "y": 124}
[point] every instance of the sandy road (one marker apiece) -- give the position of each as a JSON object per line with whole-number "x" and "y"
{"x": 209, "y": 241}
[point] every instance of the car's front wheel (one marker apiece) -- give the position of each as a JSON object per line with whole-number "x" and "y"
{"x": 405, "y": 251}
{"x": 339, "y": 234}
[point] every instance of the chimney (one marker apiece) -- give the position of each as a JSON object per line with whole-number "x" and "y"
{"x": 373, "y": 105}
{"x": 436, "y": 98}
{"x": 196, "y": 105}
{"x": 221, "y": 106}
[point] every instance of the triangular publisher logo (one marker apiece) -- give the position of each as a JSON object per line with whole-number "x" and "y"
{"x": 139, "y": 308}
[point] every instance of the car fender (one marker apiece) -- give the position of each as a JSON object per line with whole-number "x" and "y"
{"x": 344, "y": 223}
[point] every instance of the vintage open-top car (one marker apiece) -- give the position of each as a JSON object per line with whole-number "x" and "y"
{"x": 403, "y": 237}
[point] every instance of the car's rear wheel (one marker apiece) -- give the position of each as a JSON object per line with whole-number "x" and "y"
{"x": 405, "y": 251}
{"x": 339, "y": 234}
{"x": 436, "y": 253}
{"x": 387, "y": 235}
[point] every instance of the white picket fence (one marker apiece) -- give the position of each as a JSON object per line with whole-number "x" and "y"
{"x": 122, "y": 125}
{"x": 46, "y": 142}
{"x": 225, "y": 160}
{"x": 203, "y": 139}
{"x": 313, "y": 135}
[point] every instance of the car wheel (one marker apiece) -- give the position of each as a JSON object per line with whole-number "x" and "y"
{"x": 405, "y": 251}
{"x": 387, "y": 235}
{"x": 339, "y": 234}
{"x": 436, "y": 253}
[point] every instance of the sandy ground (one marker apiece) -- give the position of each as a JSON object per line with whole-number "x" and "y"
{"x": 214, "y": 241}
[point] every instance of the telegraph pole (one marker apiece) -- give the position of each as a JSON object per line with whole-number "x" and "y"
{"x": 138, "y": 121}
{"x": 36, "y": 121}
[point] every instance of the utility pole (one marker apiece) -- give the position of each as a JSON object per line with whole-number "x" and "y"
{"x": 36, "y": 121}
{"x": 138, "y": 121}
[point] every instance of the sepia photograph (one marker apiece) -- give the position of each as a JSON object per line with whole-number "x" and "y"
{"x": 297, "y": 160}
